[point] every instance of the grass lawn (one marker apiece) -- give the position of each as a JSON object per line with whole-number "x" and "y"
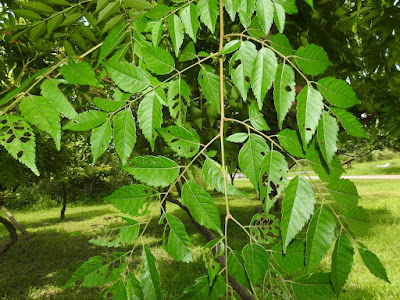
{"x": 37, "y": 268}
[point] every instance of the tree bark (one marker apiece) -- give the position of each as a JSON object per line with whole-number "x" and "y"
{"x": 14, "y": 221}
{"x": 13, "y": 234}
{"x": 242, "y": 291}
{"x": 64, "y": 207}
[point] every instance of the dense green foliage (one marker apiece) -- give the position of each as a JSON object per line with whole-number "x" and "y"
{"x": 156, "y": 66}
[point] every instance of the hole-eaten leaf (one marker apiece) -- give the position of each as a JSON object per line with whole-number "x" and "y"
{"x": 25, "y": 139}
{"x": 288, "y": 89}
{"x": 10, "y": 139}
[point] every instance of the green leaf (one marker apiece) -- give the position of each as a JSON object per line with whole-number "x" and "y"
{"x": 97, "y": 271}
{"x": 297, "y": 207}
{"x": 239, "y": 137}
{"x": 209, "y": 83}
{"x": 344, "y": 192}
{"x": 281, "y": 44}
{"x": 158, "y": 60}
{"x": 250, "y": 157}
{"x": 358, "y": 220}
{"x": 130, "y": 199}
{"x": 114, "y": 21}
{"x": 289, "y": 6}
{"x": 327, "y": 135}
{"x": 178, "y": 240}
{"x": 189, "y": 17}
{"x": 128, "y": 77}
{"x": 86, "y": 120}
{"x": 53, "y": 94}
{"x": 37, "y": 111}
{"x": 231, "y": 7}
{"x": 237, "y": 269}
{"x": 240, "y": 82}
{"x": 247, "y": 54}
{"x": 293, "y": 260}
{"x": 273, "y": 178}
{"x": 263, "y": 74}
{"x": 18, "y": 139}
{"x": 309, "y": 110}
{"x": 26, "y": 13}
{"x": 201, "y": 206}
{"x": 175, "y": 27}
{"x": 208, "y": 11}
{"x": 150, "y": 117}
{"x": 349, "y": 122}
{"x": 320, "y": 234}
{"x": 124, "y": 134}
{"x": 157, "y": 171}
{"x": 139, "y": 4}
{"x": 342, "y": 260}
{"x": 256, "y": 118}
{"x": 177, "y": 91}
{"x": 112, "y": 41}
{"x": 279, "y": 16}
{"x": 201, "y": 289}
{"x": 41, "y": 8}
{"x": 373, "y": 263}
{"x": 108, "y": 105}
{"x": 256, "y": 262}
{"x": 337, "y": 92}
{"x": 313, "y": 287}
{"x": 184, "y": 142}
{"x": 157, "y": 32}
{"x": 246, "y": 10}
{"x": 212, "y": 172}
{"x": 38, "y": 30}
{"x": 284, "y": 91}
{"x": 79, "y": 73}
{"x": 54, "y": 22}
{"x": 121, "y": 236}
{"x": 100, "y": 139}
{"x": 230, "y": 47}
{"x": 290, "y": 141}
{"x": 265, "y": 14}
{"x": 311, "y": 3}
{"x": 189, "y": 53}
{"x": 109, "y": 10}
{"x": 312, "y": 59}
{"x": 71, "y": 17}
{"x": 150, "y": 277}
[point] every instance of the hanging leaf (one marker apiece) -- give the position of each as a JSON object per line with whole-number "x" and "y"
{"x": 240, "y": 82}
{"x": 178, "y": 240}
{"x": 250, "y": 157}
{"x": 265, "y": 14}
{"x": 189, "y": 17}
{"x": 320, "y": 234}
{"x": 157, "y": 32}
{"x": 17, "y": 137}
{"x": 344, "y": 192}
{"x": 157, "y": 171}
{"x": 373, "y": 263}
{"x": 281, "y": 44}
{"x": 313, "y": 287}
{"x": 349, "y": 122}
{"x": 203, "y": 289}
{"x": 293, "y": 260}
{"x": 256, "y": 261}
{"x": 109, "y": 10}
{"x": 100, "y": 139}
{"x": 201, "y": 206}
{"x": 112, "y": 41}
{"x": 327, "y": 135}
{"x": 230, "y": 47}
{"x": 53, "y": 94}
{"x": 289, "y": 6}
{"x": 124, "y": 134}
{"x": 158, "y": 60}
{"x": 209, "y": 83}
{"x": 208, "y": 11}
{"x": 237, "y": 268}
{"x": 130, "y": 199}
{"x": 40, "y": 7}
{"x": 239, "y": 137}
{"x": 284, "y": 91}
{"x": 273, "y": 178}
{"x": 358, "y": 220}
{"x": 342, "y": 260}
{"x": 256, "y": 118}
{"x": 128, "y": 77}
{"x": 297, "y": 208}
{"x": 337, "y": 92}
{"x": 108, "y": 105}
{"x": 309, "y": 110}
{"x": 86, "y": 120}
{"x": 150, "y": 117}
{"x": 175, "y": 27}
{"x": 263, "y": 74}
{"x": 279, "y": 16}
{"x": 231, "y": 6}
{"x": 150, "y": 277}
{"x": 212, "y": 172}
{"x": 79, "y": 73}
{"x": 290, "y": 141}
{"x": 185, "y": 143}
{"x": 312, "y": 59}
{"x": 246, "y": 10}
{"x": 54, "y": 22}
{"x": 37, "y": 111}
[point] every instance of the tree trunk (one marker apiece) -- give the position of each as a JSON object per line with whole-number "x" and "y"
{"x": 14, "y": 221}
{"x": 13, "y": 234}
{"x": 242, "y": 291}
{"x": 64, "y": 207}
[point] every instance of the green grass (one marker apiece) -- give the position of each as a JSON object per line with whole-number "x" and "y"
{"x": 38, "y": 267}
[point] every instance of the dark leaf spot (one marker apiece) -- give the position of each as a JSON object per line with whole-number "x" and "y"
{"x": 3, "y": 121}
{"x": 288, "y": 89}
{"x": 25, "y": 139}
{"x": 10, "y": 139}
{"x": 19, "y": 127}
{"x": 19, "y": 154}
